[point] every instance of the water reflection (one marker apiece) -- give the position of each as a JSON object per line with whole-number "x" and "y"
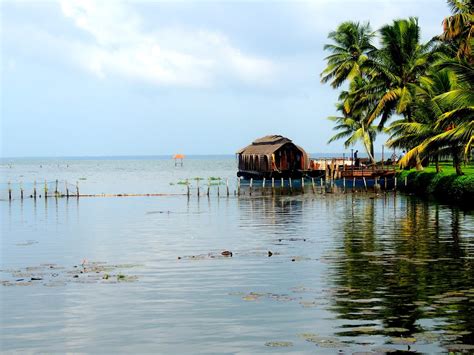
{"x": 404, "y": 274}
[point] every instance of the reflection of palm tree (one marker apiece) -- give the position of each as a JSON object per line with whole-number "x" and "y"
{"x": 383, "y": 277}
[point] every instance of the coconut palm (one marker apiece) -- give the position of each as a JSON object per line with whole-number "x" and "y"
{"x": 352, "y": 125}
{"x": 450, "y": 98}
{"x": 458, "y": 29}
{"x": 351, "y": 48}
{"x": 399, "y": 64}
{"x": 407, "y": 134}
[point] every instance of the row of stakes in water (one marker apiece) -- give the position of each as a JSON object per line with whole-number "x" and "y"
{"x": 36, "y": 192}
{"x": 290, "y": 187}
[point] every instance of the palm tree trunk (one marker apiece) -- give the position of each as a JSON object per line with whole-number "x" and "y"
{"x": 419, "y": 165}
{"x": 436, "y": 159}
{"x": 370, "y": 153}
{"x": 457, "y": 161}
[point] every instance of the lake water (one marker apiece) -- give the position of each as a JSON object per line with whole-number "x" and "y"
{"x": 354, "y": 272}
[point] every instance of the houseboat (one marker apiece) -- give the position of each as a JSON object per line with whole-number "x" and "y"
{"x": 272, "y": 156}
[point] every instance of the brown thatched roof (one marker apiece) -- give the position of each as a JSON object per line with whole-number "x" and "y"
{"x": 265, "y": 145}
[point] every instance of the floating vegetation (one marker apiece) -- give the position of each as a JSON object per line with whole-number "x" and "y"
{"x": 27, "y": 243}
{"x": 463, "y": 348}
{"x": 324, "y": 342}
{"x": 402, "y": 341}
{"x": 255, "y": 296}
{"x": 276, "y": 344}
{"x": 52, "y": 275}
{"x": 395, "y": 330}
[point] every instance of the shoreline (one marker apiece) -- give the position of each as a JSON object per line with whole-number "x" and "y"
{"x": 443, "y": 187}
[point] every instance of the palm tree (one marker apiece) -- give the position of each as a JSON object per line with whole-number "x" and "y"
{"x": 453, "y": 107}
{"x": 398, "y": 66}
{"x": 406, "y": 134}
{"x": 353, "y": 125}
{"x": 352, "y": 47}
{"x": 458, "y": 29}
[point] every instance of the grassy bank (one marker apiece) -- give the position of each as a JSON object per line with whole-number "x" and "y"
{"x": 445, "y": 186}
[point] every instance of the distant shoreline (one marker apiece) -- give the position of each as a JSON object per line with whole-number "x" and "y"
{"x": 161, "y": 157}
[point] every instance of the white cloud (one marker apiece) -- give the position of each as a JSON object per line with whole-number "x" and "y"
{"x": 167, "y": 56}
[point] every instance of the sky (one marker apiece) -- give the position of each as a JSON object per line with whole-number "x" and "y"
{"x": 101, "y": 78}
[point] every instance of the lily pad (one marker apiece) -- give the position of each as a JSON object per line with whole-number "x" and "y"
{"x": 281, "y": 344}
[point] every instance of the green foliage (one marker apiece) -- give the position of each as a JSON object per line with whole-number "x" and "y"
{"x": 430, "y": 86}
{"x": 446, "y": 187}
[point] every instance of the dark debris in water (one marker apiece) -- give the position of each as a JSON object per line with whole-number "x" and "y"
{"x": 52, "y": 275}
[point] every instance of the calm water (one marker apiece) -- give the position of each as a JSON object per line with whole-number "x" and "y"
{"x": 348, "y": 272}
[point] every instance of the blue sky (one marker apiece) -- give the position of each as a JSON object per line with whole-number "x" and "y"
{"x": 149, "y": 78}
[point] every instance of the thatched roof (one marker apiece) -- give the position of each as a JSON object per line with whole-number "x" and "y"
{"x": 265, "y": 145}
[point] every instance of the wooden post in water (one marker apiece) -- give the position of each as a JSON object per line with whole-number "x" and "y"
{"x": 67, "y": 189}
{"x": 77, "y": 189}
{"x": 56, "y": 189}
{"x": 321, "y": 185}
{"x": 9, "y": 191}
{"x": 273, "y": 186}
{"x": 238, "y": 186}
{"x": 263, "y": 186}
{"x": 385, "y": 182}
{"x": 282, "y": 185}
{"x": 218, "y": 187}
{"x": 21, "y": 190}
{"x": 208, "y": 186}
{"x": 395, "y": 183}
{"x": 353, "y": 183}
{"x": 197, "y": 183}
{"x": 34, "y": 190}
{"x": 302, "y": 185}
{"x": 251, "y": 185}
{"x": 45, "y": 189}
{"x": 365, "y": 183}
{"x": 406, "y": 180}
{"x": 344, "y": 184}
{"x": 227, "y": 186}
{"x": 291, "y": 185}
{"x": 312, "y": 185}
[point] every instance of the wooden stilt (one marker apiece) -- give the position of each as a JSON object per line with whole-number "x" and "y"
{"x": 282, "y": 185}
{"x": 56, "y": 189}
{"x": 21, "y": 190}
{"x": 197, "y": 183}
{"x": 45, "y": 189}
{"x": 365, "y": 183}
{"x": 208, "y": 186}
{"x": 395, "y": 183}
{"x": 312, "y": 185}
{"x": 251, "y": 185}
{"x": 227, "y": 186}
{"x": 353, "y": 184}
{"x": 344, "y": 184}
{"x": 34, "y": 190}
{"x": 302, "y": 185}
{"x": 9, "y": 191}
{"x": 77, "y": 189}
{"x": 291, "y": 185}
{"x": 263, "y": 186}
{"x": 273, "y": 185}
{"x": 67, "y": 189}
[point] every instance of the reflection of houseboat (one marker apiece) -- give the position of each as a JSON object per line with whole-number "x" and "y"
{"x": 272, "y": 156}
